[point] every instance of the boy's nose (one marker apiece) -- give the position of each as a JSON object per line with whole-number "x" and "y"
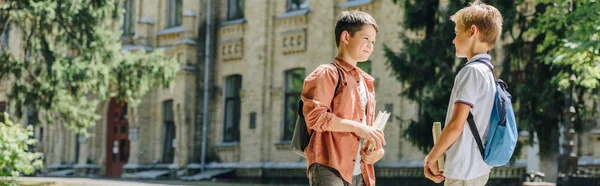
{"x": 454, "y": 41}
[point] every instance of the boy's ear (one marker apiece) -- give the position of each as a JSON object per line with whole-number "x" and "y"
{"x": 345, "y": 37}
{"x": 474, "y": 30}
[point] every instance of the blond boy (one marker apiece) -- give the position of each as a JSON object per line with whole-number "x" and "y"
{"x": 477, "y": 29}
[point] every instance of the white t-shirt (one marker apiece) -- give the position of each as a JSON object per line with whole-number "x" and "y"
{"x": 363, "y": 101}
{"x": 475, "y": 86}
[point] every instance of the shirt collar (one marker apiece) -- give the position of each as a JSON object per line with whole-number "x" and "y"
{"x": 486, "y": 58}
{"x": 348, "y": 67}
{"x": 342, "y": 63}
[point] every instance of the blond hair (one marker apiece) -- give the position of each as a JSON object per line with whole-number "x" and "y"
{"x": 352, "y": 21}
{"x": 487, "y": 19}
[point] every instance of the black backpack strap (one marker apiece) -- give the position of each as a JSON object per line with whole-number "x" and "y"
{"x": 470, "y": 117}
{"x": 337, "y": 86}
{"x": 475, "y": 133}
{"x": 338, "y": 82}
{"x": 301, "y": 105}
{"x": 487, "y": 63}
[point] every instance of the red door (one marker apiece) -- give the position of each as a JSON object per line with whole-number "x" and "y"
{"x": 117, "y": 144}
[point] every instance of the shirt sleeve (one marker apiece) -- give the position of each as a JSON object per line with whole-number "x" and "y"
{"x": 317, "y": 94}
{"x": 468, "y": 84}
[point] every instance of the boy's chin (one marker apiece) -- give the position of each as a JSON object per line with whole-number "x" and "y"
{"x": 363, "y": 59}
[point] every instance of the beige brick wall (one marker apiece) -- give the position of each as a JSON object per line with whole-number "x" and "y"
{"x": 262, "y": 60}
{"x": 59, "y": 145}
{"x": 147, "y": 116}
{"x": 265, "y": 82}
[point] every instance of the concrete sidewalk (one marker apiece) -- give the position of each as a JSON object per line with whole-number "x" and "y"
{"x": 128, "y": 182}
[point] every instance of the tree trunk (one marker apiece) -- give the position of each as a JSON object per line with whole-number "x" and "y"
{"x": 549, "y": 166}
{"x": 549, "y": 151}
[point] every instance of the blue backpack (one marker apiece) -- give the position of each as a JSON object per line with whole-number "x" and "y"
{"x": 502, "y": 133}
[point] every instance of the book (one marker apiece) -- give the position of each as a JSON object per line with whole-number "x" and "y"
{"x": 437, "y": 131}
{"x": 379, "y": 123}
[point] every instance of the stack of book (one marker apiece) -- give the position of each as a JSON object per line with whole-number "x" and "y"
{"x": 380, "y": 122}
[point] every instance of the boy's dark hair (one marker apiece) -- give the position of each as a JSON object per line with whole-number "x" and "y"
{"x": 352, "y": 21}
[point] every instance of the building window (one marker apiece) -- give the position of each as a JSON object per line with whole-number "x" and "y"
{"x": 129, "y": 17}
{"x": 4, "y": 37}
{"x": 292, "y": 5}
{"x": 77, "y": 146}
{"x": 294, "y": 80}
{"x": 174, "y": 13}
{"x": 3, "y": 108}
{"x": 231, "y": 129}
{"x": 168, "y": 132}
{"x": 252, "y": 124}
{"x": 235, "y": 9}
{"x": 41, "y": 134}
{"x": 365, "y": 66}
{"x": 390, "y": 108}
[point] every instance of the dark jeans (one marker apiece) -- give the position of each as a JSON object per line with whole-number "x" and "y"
{"x": 321, "y": 175}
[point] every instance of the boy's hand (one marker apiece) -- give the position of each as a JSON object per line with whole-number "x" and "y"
{"x": 427, "y": 170}
{"x": 370, "y": 157}
{"x": 433, "y": 165}
{"x": 373, "y": 134}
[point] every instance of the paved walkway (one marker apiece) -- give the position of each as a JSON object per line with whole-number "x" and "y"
{"x": 127, "y": 182}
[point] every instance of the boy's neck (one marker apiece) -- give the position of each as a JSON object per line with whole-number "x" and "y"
{"x": 477, "y": 49}
{"x": 470, "y": 56}
{"x": 347, "y": 58}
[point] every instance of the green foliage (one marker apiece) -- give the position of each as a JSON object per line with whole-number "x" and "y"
{"x": 429, "y": 78}
{"x": 567, "y": 44}
{"x": 548, "y": 44}
{"x": 14, "y": 158}
{"x": 71, "y": 60}
{"x": 427, "y": 65}
{"x": 572, "y": 30}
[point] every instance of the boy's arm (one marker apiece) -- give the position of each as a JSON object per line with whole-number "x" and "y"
{"x": 451, "y": 132}
{"x": 469, "y": 82}
{"x": 366, "y": 132}
{"x": 317, "y": 95}
{"x": 343, "y": 125}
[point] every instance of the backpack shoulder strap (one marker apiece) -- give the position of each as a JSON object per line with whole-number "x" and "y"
{"x": 486, "y": 63}
{"x": 334, "y": 92}
{"x": 338, "y": 81}
{"x": 475, "y": 133}
{"x": 300, "y": 106}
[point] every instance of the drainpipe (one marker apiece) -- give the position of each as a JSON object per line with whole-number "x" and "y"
{"x": 207, "y": 41}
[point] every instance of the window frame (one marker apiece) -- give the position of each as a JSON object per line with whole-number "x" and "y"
{"x": 289, "y": 95}
{"x": 238, "y": 7}
{"x": 129, "y": 17}
{"x": 174, "y": 13}
{"x": 168, "y": 123}
{"x": 290, "y": 5}
{"x": 235, "y": 100}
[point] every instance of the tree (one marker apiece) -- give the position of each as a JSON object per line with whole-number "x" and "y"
{"x": 71, "y": 60}
{"x": 429, "y": 78}
{"x": 14, "y": 159}
{"x": 547, "y": 43}
{"x": 565, "y": 45}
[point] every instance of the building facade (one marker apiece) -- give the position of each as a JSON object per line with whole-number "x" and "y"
{"x": 260, "y": 52}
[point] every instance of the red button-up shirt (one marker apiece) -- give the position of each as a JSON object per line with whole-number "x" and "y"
{"x": 337, "y": 149}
